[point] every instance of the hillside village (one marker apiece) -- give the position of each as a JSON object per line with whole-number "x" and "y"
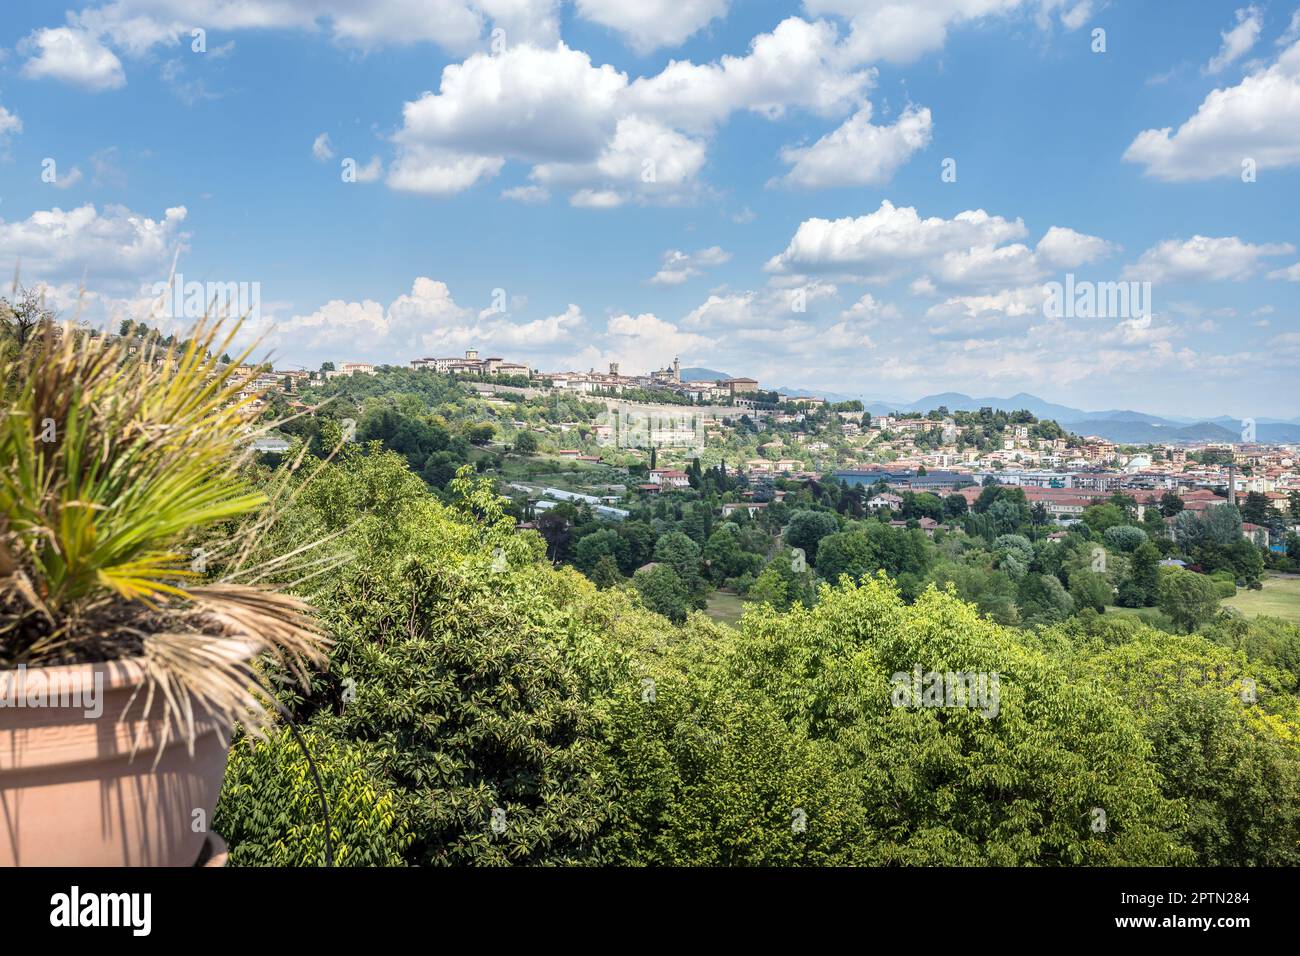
{"x": 808, "y": 437}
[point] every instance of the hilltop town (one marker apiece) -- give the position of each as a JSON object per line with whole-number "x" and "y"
{"x": 944, "y": 451}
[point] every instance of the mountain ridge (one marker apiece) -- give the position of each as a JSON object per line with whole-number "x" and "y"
{"x": 1126, "y": 426}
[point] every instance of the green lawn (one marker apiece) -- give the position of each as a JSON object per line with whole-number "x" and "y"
{"x": 724, "y": 607}
{"x": 1280, "y": 597}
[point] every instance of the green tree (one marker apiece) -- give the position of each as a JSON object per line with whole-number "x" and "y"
{"x": 663, "y": 592}
{"x": 806, "y": 530}
{"x": 1124, "y": 537}
{"x": 1170, "y": 504}
{"x": 770, "y": 587}
{"x": 1090, "y": 589}
{"x": 1141, "y": 586}
{"x": 1189, "y": 599}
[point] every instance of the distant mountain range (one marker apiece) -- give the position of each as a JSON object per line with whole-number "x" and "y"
{"x": 695, "y": 374}
{"x": 1117, "y": 425}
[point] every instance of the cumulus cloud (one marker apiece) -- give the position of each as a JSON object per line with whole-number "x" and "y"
{"x": 1203, "y": 259}
{"x": 859, "y": 153}
{"x": 1067, "y": 249}
{"x": 1258, "y": 120}
{"x": 588, "y": 128}
{"x": 743, "y": 312}
{"x": 970, "y": 252}
{"x": 115, "y": 248}
{"x": 1290, "y": 274}
{"x": 960, "y": 311}
{"x": 868, "y": 311}
{"x": 1238, "y": 40}
{"x": 650, "y": 24}
{"x": 877, "y": 245}
{"x": 643, "y": 160}
{"x": 72, "y": 56}
{"x": 440, "y": 172}
{"x": 679, "y": 266}
{"x": 798, "y": 65}
{"x": 632, "y": 340}
{"x": 425, "y": 321}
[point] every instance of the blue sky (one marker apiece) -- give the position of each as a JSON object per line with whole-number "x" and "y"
{"x": 754, "y": 186}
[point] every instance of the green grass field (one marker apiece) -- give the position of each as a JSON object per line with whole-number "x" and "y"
{"x": 725, "y": 607}
{"x": 1280, "y": 597}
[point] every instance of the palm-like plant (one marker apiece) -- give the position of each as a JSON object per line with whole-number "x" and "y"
{"x": 111, "y": 464}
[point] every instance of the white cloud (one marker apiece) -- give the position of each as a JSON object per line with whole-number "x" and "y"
{"x": 1238, "y": 40}
{"x": 634, "y": 340}
{"x": 900, "y": 30}
{"x": 847, "y": 335}
{"x": 643, "y": 158}
{"x": 371, "y": 171}
{"x": 425, "y": 321}
{"x": 735, "y": 312}
{"x": 596, "y": 199}
{"x": 117, "y": 247}
{"x": 321, "y": 148}
{"x": 69, "y": 179}
{"x": 878, "y": 244}
{"x": 72, "y": 56}
{"x": 798, "y": 65}
{"x": 1067, "y": 249}
{"x": 585, "y": 127}
{"x": 136, "y": 26}
{"x": 1290, "y": 274}
{"x": 440, "y": 172}
{"x": 868, "y": 311}
{"x": 679, "y": 266}
{"x": 650, "y": 24}
{"x": 989, "y": 265}
{"x": 1011, "y": 303}
{"x": 675, "y": 270}
{"x": 532, "y": 195}
{"x": 1292, "y": 31}
{"x": 1258, "y": 120}
{"x": 531, "y": 103}
{"x": 9, "y": 123}
{"x": 1203, "y": 258}
{"x": 1074, "y": 13}
{"x": 859, "y": 153}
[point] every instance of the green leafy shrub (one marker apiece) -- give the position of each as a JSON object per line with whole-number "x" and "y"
{"x": 270, "y": 811}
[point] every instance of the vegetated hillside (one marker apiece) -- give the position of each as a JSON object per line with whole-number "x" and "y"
{"x": 484, "y": 707}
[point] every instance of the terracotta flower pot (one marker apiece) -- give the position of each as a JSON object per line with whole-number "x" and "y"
{"x": 72, "y": 794}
